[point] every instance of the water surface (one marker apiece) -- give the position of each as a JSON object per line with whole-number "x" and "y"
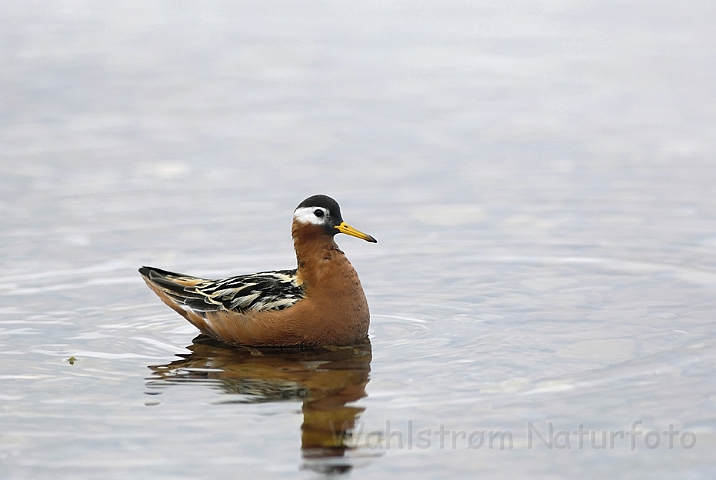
{"x": 540, "y": 180}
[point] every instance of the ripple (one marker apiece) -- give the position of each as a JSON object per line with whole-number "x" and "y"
{"x": 395, "y": 326}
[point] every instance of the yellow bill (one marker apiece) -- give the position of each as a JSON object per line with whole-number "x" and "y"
{"x": 348, "y": 230}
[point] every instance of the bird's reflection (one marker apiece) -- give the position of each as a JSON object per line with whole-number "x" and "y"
{"x": 325, "y": 379}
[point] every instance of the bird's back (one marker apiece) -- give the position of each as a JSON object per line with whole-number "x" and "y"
{"x": 273, "y": 290}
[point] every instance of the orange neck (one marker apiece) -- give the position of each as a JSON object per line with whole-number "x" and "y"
{"x": 314, "y": 250}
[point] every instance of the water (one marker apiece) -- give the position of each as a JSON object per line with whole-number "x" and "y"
{"x": 540, "y": 179}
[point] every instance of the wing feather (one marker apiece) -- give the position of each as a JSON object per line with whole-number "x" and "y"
{"x": 273, "y": 290}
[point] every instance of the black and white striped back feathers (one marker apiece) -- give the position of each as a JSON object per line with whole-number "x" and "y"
{"x": 273, "y": 290}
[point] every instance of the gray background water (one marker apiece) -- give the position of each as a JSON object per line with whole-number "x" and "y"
{"x": 540, "y": 177}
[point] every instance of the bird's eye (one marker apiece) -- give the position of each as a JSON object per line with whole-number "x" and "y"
{"x": 318, "y": 213}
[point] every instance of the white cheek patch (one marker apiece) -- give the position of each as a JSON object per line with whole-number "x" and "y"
{"x": 306, "y": 215}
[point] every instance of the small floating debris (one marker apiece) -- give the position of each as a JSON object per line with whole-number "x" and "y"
{"x": 71, "y": 360}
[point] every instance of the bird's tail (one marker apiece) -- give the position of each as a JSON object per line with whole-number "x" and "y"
{"x": 169, "y": 281}
{"x": 177, "y": 291}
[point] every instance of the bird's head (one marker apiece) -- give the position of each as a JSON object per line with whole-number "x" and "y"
{"x": 324, "y": 212}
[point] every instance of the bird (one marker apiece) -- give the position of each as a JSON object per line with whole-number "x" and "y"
{"x": 319, "y": 303}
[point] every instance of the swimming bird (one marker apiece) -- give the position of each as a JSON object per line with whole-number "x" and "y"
{"x": 319, "y": 303}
